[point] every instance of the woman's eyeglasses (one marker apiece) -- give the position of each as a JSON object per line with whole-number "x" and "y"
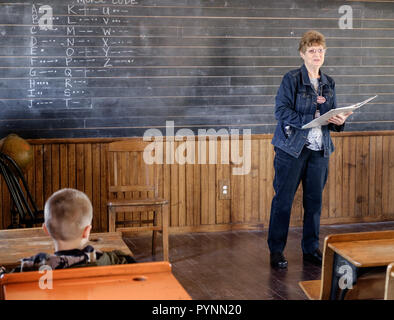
{"x": 313, "y": 51}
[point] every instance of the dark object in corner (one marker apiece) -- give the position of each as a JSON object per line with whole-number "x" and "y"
{"x": 24, "y": 211}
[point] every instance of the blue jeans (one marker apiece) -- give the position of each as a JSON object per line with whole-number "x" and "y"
{"x": 311, "y": 167}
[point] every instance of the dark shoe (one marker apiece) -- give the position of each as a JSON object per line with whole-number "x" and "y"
{"x": 278, "y": 260}
{"x": 314, "y": 258}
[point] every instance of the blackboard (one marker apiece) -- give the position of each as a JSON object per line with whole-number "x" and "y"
{"x": 115, "y": 68}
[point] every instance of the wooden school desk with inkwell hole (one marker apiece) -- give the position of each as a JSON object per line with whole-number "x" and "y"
{"x": 137, "y": 281}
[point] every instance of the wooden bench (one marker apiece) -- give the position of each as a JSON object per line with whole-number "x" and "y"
{"x": 389, "y": 284}
{"x": 368, "y": 287}
{"x": 138, "y": 281}
{"x": 360, "y": 250}
{"x": 311, "y": 289}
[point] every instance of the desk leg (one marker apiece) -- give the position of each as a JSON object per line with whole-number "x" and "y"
{"x": 111, "y": 219}
{"x": 164, "y": 222}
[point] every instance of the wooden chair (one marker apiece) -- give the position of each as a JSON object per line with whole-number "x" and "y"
{"x": 134, "y": 201}
{"x": 389, "y": 284}
{"x": 136, "y": 281}
{"x": 368, "y": 286}
{"x": 24, "y": 211}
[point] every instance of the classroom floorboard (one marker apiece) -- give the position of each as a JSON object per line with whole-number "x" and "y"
{"x": 235, "y": 264}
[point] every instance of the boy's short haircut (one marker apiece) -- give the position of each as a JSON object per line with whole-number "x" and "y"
{"x": 67, "y": 213}
{"x": 310, "y": 38}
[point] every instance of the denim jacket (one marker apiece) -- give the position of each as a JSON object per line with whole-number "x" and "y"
{"x": 295, "y": 106}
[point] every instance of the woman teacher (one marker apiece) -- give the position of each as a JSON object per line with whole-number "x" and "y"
{"x": 302, "y": 155}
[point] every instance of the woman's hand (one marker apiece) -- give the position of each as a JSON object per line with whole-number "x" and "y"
{"x": 340, "y": 118}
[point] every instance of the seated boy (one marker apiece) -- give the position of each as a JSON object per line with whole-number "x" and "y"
{"x": 68, "y": 217}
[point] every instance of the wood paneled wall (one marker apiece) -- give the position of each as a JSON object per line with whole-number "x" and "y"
{"x": 359, "y": 186}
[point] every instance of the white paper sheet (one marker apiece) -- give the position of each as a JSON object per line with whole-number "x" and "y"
{"x": 323, "y": 119}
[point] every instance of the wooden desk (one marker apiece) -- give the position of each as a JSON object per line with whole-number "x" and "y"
{"x": 22, "y": 243}
{"x": 368, "y": 253}
{"x": 21, "y": 233}
{"x": 361, "y": 258}
{"x": 138, "y": 281}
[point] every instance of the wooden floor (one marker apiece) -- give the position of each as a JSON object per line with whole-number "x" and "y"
{"x": 235, "y": 265}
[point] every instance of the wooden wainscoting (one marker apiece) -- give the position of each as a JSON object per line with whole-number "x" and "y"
{"x": 359, "y": 186}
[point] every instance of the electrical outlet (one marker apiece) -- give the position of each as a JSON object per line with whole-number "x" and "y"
{"x": 224, "y": 191}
